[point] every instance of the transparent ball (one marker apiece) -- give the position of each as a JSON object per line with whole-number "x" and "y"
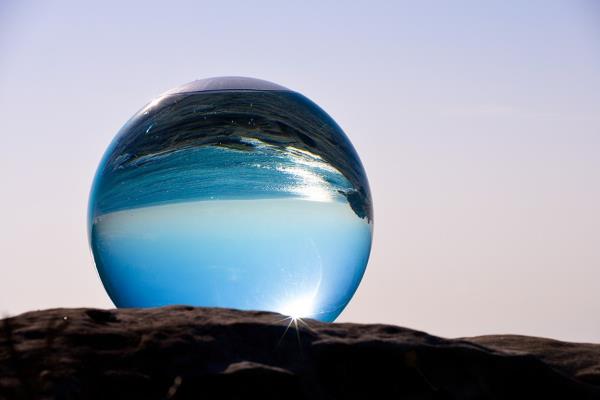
{"x": 232, "y": 192}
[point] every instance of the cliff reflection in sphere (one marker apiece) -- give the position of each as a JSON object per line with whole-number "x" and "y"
{"x": 232, "y": 192}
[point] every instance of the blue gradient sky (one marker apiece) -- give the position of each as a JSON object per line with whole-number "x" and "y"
{"x": 478, "y": 124}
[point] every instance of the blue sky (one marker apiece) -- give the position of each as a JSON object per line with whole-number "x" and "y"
{"x": 478, "y": 124}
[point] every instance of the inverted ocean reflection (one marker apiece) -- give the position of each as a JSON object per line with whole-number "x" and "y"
{"x": 242, "y": 198}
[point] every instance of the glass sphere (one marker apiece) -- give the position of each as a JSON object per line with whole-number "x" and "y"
{"x": 232, "y": 192}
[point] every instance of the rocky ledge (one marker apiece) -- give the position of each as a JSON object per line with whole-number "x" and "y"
{"x": 203, "y": 353}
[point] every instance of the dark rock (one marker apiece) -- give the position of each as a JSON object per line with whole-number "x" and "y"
{"x": 196, "y": 353}
{"x": 101, "y": 315}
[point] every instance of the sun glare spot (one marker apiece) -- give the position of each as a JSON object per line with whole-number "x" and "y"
{"x": 299, "y": 308}
{"x": 295, "y": 311}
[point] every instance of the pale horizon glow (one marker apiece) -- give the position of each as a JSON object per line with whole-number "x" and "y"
{"x": 478, "y": 124}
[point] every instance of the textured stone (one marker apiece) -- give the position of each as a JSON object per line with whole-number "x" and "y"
{"x": 186, "y": 352}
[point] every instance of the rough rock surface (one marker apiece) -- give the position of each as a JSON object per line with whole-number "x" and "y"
{"x": 202, "y": 353}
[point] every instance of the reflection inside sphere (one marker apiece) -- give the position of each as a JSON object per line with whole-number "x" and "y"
{"x": 232, "y": 192}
